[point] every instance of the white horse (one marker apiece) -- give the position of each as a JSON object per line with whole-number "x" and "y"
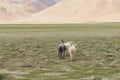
{"x": 72, "y": 51}
{"x": 68, "y": 45}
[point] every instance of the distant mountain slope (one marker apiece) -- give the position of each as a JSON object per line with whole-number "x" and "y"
{"x": 65, "y": 11}
{"x": 17, "y": 9}
{"x": 4, "y": 13}
{"x": 80, "y": 11}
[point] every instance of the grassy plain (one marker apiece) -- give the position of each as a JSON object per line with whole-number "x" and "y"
{"x": 29, "y": 52}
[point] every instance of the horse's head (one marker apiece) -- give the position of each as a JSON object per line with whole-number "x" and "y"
{"x": 62, "y": 41}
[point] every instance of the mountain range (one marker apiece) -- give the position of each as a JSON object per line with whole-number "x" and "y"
{"x": 64, "y": 11}
{"x": 18, "y": 9}
{"x": 76, "y": 11}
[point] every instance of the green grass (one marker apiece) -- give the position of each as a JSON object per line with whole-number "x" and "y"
{"x": 1, "y": 76}
{"x": 54, "y": 27}
{"x": 29, "y": 52}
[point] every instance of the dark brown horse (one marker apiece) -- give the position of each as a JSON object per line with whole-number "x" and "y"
{"x": 61, "y": 50}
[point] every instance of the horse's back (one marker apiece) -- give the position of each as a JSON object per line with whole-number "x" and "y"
{"x": 61, "y": 47}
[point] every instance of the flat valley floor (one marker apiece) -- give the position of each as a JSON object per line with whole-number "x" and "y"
{"x": 29, "y": 52}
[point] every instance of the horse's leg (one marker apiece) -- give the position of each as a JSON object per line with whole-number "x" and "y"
{"x": 71, "y": 56}
{"x": 64, "y": 52}
{"x": 60, "y": 55}
{"x": 64, "y": 55}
